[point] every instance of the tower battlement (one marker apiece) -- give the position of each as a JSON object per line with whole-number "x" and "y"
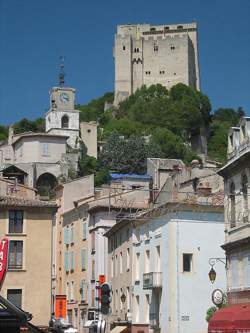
{"x": 168, "y": 54}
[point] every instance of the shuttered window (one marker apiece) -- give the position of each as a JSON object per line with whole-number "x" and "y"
{"x": 72, "y": 235}
{"x": 84, "y": 230}
{"x": 83, "y": 259}
{"x": 246, "y": 265}
{"x": 66, "y": 261}
{"x": 234, "y": 271}
{"x": 72, "y": 261}
{"x": 66, "y": 236}
{"x": 83, "y": 288}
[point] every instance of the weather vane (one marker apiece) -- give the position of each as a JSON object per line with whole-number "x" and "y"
{"x": 61, "y": 73}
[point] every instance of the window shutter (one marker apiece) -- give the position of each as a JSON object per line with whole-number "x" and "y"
{"x": 72, "y": 235}
{"x": 66, "y": 261}
{"x": 247, "y": 270}
{"x": 84, "y": 230}
{"x": 66, "y": 236}
{"x": 83, "y": 257}
{"x": 72, "y": 261}
{"x": 234, "y": 272}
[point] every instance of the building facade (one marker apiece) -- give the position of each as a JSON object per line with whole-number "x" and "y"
{"x": 237, "y": 224}
{"x": 148, "y": 54}
{"x": 166, "y": 261}
{"x": 29, "y": 225}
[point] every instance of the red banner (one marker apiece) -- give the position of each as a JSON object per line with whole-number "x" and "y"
{"x": 3, "y": 259}
{"x": 61, "y": 306}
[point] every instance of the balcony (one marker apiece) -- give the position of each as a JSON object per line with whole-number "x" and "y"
{"x": 152, "y": 280}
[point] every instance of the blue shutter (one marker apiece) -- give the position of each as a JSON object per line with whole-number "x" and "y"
{"x": 72, "y": 261}
{"x": 246, "y": 262}
{"x": 66, "y": 261}
{"x": 72, "y": 235}
{"x": 83, "y": 257}
{"x": 84, "y": 230}
{"x": 66, "y": 236}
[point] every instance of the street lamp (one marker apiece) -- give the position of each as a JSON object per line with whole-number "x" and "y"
{"x": 123, "y": 300}
{"x": 212, "y": 272}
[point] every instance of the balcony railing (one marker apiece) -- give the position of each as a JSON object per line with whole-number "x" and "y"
{"x": 152, "y": 280}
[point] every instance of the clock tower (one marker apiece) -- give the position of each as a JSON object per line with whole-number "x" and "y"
{"x": 62, "y": 118}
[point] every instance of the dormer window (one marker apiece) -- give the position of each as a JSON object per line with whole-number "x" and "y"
{"x": 65, "y": 122}
{"x": 180, "y": 27}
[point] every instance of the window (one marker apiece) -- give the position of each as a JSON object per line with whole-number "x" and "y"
{"x": 138, "y": 234}
{"x": 232, "y": 206}
{"x": 172, "y": 47}
{"x": 137, "y": 266}
{"x": 128, "y": 259}
{"x": 15, "y": 296}
{"x": 83, "y": 290}
{"x": 83, "y": 259}
{"x": 244, "y": 184}
{"x": 112, "y": 267}
{"x": 15, "y": 255}
{"x": 15, "y": 221}
{"x": 93, "y": 270}
{"x": 84, "y": 230}
{"x": 246, "y": 268}
{"x": 162, "y": 72}
{"x": 128, "y": 298}
{"x": 67, "y": 291}
{"x": 156, "y": 48}
{"x": 124, "y": 47}
{"x": 66, "y": 236}
{"x": 146, "y": 308}
{"x": 147, "y": 261}
{"x": 45, "y": 149}
{"x": 180, "y": 27}
{"x": 158, "y": 258}
{"x": 137, "y": 309}
{"x": 65, "y": 122}
{"x": 72, "y": 234}
{"x": 147, "y": 72}
{"x": 234, "y": 271}
{"x": 72, "y": 291}
{"x": 66, "y": 262}
{"x": 187, "y": 262}
{"x": 121, "y": 262}
{"x": 70, "y": 316}
{"x": 152, "y": 29}
{"x": 72, "y": 261}
{"x": 244, "y": 131}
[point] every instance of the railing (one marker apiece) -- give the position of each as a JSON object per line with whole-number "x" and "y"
{"x": 152, "y": 280}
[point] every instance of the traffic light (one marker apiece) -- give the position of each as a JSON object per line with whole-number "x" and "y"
{"x": 105, "y": 298}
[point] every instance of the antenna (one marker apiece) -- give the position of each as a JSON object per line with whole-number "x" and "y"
{"x": 61, "y": 73}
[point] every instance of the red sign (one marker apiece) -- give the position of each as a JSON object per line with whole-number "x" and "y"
{"x": 61, "y": 306}
{"x": 3, "y": 259}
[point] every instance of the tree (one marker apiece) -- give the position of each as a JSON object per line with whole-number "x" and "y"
{"x": 222, "y": 120}
{"x": 125, "y": 155}
{"x": 3, "y": 132}
{"x": 25, "y": 125}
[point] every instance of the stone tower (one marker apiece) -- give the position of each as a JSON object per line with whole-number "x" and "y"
{"x": 62, "y": 118}
{"x": 146, "y": 55}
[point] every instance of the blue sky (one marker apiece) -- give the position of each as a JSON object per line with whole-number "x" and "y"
{"x": 34, "y": 33}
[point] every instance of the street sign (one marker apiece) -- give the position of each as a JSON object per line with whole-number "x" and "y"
{"x": 3, "y": 259}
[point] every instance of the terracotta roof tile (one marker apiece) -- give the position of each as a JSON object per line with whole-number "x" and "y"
{"x": 12, "y": 201}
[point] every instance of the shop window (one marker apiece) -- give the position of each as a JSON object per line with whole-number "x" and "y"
{"x": 15, "y": 296}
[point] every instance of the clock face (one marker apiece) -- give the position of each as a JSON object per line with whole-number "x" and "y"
{"x": 64, "y": 97}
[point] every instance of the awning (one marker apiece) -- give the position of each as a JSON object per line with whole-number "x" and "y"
{"x": 118, "y": 329}
{"x": 233, "y": 317}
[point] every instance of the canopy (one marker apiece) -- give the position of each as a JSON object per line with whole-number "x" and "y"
{"x": 231, "y": 318}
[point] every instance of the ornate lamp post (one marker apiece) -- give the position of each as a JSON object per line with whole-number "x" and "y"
{"x": 212, "y": 272}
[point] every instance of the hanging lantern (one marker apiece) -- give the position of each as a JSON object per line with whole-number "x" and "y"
{"x": 212, "y": 275}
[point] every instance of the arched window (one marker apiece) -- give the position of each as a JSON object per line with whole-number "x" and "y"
{"x": 65, "y": 122}
{"x": 244, "y": 184}
{"x": 232, "y": 206}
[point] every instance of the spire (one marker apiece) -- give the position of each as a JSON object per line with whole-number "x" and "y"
{"x": 61, "y": 73}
